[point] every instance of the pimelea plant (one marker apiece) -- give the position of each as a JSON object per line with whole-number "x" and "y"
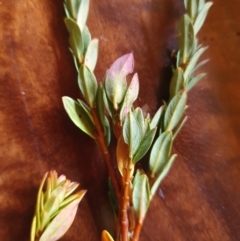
{"x": 107, "y": 107}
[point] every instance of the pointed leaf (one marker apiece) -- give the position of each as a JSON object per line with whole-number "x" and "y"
{"x": 185, "y": 38}
{"x": 79, "y": 116}
{"x": 108, "y": 104}
{"x": 163, "y": 174}
{"x": 177, "y": 82}
{"x": 86, "y": 35}
{"x": 175, "y": 110}
{"x": 200, "y": 65}
{"x": 75, "y": 40}
{"x": 201, "y": 3}
{"x": 82, "y": 13}
{"x": 72, "y": 6}
{"x": 145, "y": 145}
{"x": 61, "y": 223}
{"x": 192, "y": 62}
{"x": 194, "y": 81}
{"x": 192, "y": 9}
{"x": 156, "y": 119}
{"x": 115, "y": 82}
{"x": 131, "y": 133}
{"x": 33, "y": 229}
{"x": 122, "y": 155}
{"x": 132, "y": 91}
{"x": 201, "y": 17}
{"x": 160, "y": 152}
{"x": 91, "y": 54}
{"x": 141, "y": 197}
{"x": 106, "y": 236}
{"x": 88, "y": 84}
{"x": 180, "y": 127}
{"x": 140, "y": 118}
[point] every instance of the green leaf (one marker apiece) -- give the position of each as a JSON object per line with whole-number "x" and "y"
{"x": 88, "y": 84}
{"x": 79, "y": 116}
{"x": 201, "y": 17}
{"x": 194, "y": 81}
{"x": 91, "y": 54}
{"x": 185, "y": 38}
{"x": 180, "y": 127}
{"x": 141, "y": 196}
{"x": 177, "y": 82}
{"x": 156, "y": 118}
{"x": 201, "y": 3}
{"x": 61, "y": 223}
{"x": 145, "y": 144}
{"x": 86, "y": 35}
{"x": 131, "y": 133}
{"x": 101, "y": 114}
{"x": 82, "y": 13}
{"x": 108, "y": 104}
{"x": 192, "y": 62}
{"x": 131, "y": 94}
{"x": 68, "y": 14}
{"x": 39, "y": 200}
{"x": 75, "y": 40}
{"x": 160, "y": 152}
{"x": 86, "y": 109}
{"x": 140, "y": 119}
{"x": 200, "y": 64}
{"x": 72, "y": 7}
{"x": 192, "y": 9}
{"x": 163, "y": 174}
{"x": 175, "y": 110}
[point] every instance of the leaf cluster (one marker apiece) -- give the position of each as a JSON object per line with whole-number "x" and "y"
{"x": 56, "y": 207}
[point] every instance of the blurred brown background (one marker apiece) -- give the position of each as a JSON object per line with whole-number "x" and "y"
{"x": 200, "y": 198}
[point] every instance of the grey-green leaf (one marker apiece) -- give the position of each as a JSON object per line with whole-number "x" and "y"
{"x": 108, "y": 104}
{"x": 175, "y": 110}
{"x": 192, "y": 63}
{"x": 160, "y": 152}
{"x": 156, "y": 118}
{"x": 194, "y": 81}
{"x": 131, "y": 133}
{"x": 180, "y": 127}
{"x": 163, "y": 174}
{"x": 91, "y": 54}
{"x": 72, "y": 7}
{"x": 75, "y": 39}
{"x": 79, "y": 116}
{"x": 201, "y": 17}
{"x": 101, "y": 114}
{"x": 177, "y": 82}
{"x": 145, "y": 145}
{"x": 141, "y": 196}
{"x": 83, "y": 13}
{"x": 86, "y": 35}
{"x": 88, "y": 84}
{"x": 185, "y": 38}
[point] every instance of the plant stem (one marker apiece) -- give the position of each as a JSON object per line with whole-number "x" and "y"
{"x": 125, "y": 203}
{"x": 137, "y": 231}
{"x": 104, "y": 149}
